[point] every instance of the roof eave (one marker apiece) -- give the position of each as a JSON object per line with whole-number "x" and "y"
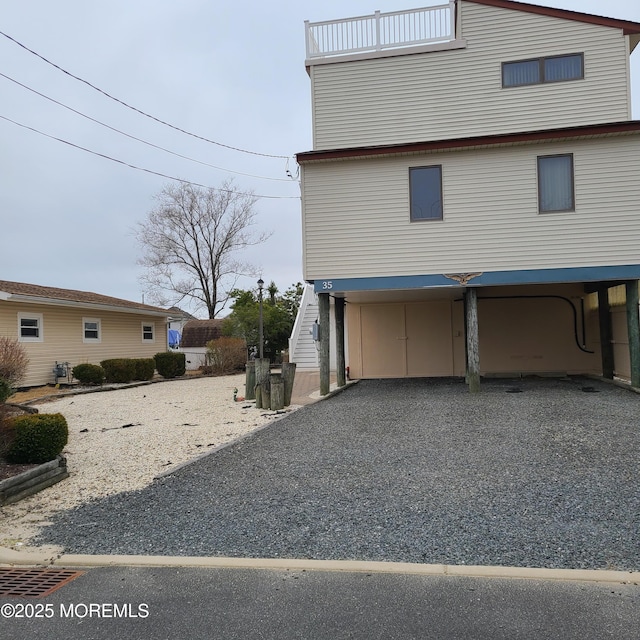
{"x": 627, "y": 26}
{"x": 13, "y": 297}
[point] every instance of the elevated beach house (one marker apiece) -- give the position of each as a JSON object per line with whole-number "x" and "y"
{"x": 473, "y": 192}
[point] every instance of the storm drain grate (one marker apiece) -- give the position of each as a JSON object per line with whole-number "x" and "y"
{"x": 34, "y": 583}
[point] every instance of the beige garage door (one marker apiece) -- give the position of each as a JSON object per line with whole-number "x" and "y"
{"x": 406, "y": 340}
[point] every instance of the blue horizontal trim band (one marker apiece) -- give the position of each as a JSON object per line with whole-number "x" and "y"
{"x": 488, "y": 279}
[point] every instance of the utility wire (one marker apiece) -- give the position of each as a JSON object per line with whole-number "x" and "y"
{"x": 128, "y": 135}
{"x": 133, "y": 166}
{"x": 147, "y": 115}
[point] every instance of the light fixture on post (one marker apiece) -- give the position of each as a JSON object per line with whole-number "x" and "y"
{"x": 261, "y": 338}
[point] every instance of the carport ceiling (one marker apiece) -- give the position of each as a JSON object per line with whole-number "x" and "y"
{"x": 405, "y": 295}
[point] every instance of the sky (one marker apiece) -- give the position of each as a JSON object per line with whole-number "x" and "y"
{"x": 231, "y": 72}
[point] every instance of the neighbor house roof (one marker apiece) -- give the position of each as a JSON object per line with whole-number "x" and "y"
{"x": 196, "y": 333}
{"x": 627, "y": 26}
{"x": 631, "y": 127}
{"x": 37, "y": 294}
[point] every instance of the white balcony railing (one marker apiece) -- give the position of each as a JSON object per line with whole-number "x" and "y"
{"x": 381, "y": 31}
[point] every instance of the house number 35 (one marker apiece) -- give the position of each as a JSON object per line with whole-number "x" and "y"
{"x": 327, "y": 284}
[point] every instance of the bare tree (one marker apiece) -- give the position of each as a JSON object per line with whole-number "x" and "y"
{"x": 192, "y": 241}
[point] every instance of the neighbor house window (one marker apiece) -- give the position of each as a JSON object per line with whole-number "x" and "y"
{"x": 30, "y": 327}
{"x": 556, "y": 183}
{"x": 542, "y": 70}
{"x": 91, "y": 330}
{"x": 425, "y": 193}
{"x": 148, "y": 332}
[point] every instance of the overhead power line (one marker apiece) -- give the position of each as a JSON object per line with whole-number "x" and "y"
{"x": 144, "y": 113}
{"x": 132, "y": 137}
{"x": 133, "y": 166}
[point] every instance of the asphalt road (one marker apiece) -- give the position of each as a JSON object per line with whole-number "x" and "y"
{"x": 247, "y": 604}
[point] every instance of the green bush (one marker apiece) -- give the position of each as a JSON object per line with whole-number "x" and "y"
{"x": 226, "y": 355}
{"x": 144, "y": 368}
{"x": 6, "y": 390}
{"x": 88, "y": 373}
{"x": 119, "y": 369}
{"x": 37, "y": 438}
{"x": 170, "y": 364}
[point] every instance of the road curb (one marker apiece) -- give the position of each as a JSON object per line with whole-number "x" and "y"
{"x": 9, "y": 557}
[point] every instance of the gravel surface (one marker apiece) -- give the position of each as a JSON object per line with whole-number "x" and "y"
{"x": 120, "y": 440}
{"x": 540, "y": 473}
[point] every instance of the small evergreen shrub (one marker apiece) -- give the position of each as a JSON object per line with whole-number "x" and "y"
{"x": 37, "y": 438}
{"x": 119, "y": 369}
{"x": 87, "y": 373}
{"x": 6, "y": 390}
{"x": 144, "y": 368}
{"x": 170, "y": 364}
{"x": 226, "y": 355}
{"x": 6, "y": 432}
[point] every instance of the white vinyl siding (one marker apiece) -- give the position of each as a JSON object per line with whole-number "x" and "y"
{"x": 459, "y": 93}
{"x": 356, "y": 213}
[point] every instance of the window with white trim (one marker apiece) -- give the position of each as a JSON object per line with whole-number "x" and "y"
{"x": 91, "y": 330}
{"x": 148, "y": 332}
{"x": 556, "y": 191}
{"x": 30, "y": 327}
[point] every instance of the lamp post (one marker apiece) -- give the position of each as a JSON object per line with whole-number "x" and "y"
{"x": 261, "y": 338}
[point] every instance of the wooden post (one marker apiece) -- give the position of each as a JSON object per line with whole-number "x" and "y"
{"x": 473, "y": 342}
{"x": 262, "y": 380}
{"x": 250, "y": 383}
{"x": 288, "y": 375}
{"x": 277, "y": 392}
{"x": 606, "y": 333}
{"x": 325, "y": 372}
{"x": 258, "y": 395}
{"x": 633, "y": 328}
{"x": 340, "y": 355}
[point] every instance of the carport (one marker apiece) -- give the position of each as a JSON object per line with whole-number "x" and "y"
{"x": 469, "y": 331}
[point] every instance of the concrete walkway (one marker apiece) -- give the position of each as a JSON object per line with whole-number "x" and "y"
{"x": 306, "y": 386}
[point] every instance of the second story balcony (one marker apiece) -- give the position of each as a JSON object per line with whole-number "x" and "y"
{"x": 381, "y": 31}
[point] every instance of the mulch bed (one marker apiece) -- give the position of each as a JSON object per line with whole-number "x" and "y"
{"x": 9, "y": 470}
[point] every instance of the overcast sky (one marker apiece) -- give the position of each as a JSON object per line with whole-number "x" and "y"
{"x": 232, "y": 72}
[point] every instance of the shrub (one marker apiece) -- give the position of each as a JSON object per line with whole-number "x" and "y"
{"x": 6, "y": 390}
{"x": 6, "y": 432}
{"x": 13, "y": 360}
{"x": 144, "y": 368}
{"x": 37, "y": 438}
{"x": 170, "y": 364}
{"x": 88, "y": 373}
{"x": 119, "y": 369}
{"x": 226, "y": 355}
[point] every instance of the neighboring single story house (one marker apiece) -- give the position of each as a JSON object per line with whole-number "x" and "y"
{"x": 195, "y": 335}
{"x": 66, "y": 327}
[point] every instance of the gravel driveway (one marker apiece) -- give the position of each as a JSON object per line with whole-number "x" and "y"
{"x": 540, "y": 473}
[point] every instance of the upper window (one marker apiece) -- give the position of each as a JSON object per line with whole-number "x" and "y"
{"x": 539, "y": 70}
{"x": 30, "y": 327}
{"x": 555, "y": 183}
{"x": 148, "y": 332}
{"x": 425, "y": 186}
{"x": 91, "y": 330}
